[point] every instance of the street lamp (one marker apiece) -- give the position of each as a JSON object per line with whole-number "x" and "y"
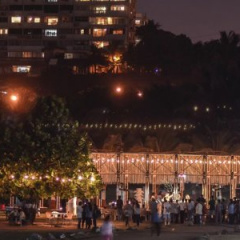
{"x": 119, "y": 90}
{"x": 140, "y": 94}
{"x": 13, "y": 98}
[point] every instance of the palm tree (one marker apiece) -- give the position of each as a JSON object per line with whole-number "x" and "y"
{"x": 217, "y": 141}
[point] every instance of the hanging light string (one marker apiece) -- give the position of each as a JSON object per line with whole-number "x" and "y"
{"x": 142, "y": 127}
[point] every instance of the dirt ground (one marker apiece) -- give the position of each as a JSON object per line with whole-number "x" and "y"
{"x": 173, "y": 232}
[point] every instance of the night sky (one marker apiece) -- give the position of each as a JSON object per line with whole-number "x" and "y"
{"x": 202, "y": 20}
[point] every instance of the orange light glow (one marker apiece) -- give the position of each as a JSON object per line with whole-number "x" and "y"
{"x": 14, "y": 98}
{"x": 119, "y": 89}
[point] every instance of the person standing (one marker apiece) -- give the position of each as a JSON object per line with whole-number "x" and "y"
{"x": 89, "y": 215}
{"x": 224, "y": 207}
{"x": 211, "y": 208}
{"x": 22, "y": 217}
{"x": 127, "y": 213}
{"x": 79, "y": 214}
{"x": 190, "y": 209}
{"x": 153, "y": 207}
{"x": 231, "y": 212}
{"x": 167, "y": 212}
{"x": 176, "y": 211}
{"x": 137, "y": 212}
{"x": 95, "y": 214}
{"x": 182, "y": 208}
{"x": 199, "y": 212}
{"x": 218, "y": 212}
{"x": 119, "y": 208}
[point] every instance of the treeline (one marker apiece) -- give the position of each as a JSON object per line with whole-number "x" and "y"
{"x": 215, "y": 63}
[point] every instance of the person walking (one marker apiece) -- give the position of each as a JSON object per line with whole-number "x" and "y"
{"x": 107, "y": 229}
{"x": 156, "y": 223}
{"x": 79, "y": 214}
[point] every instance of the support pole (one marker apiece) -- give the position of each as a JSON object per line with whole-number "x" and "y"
{"x": 233, "y": 184}
{"x": 176, "y": 178}
{"x": 204, "y": 179}
{"x": 147, "y": 183}
{"x": 125, "y": 181}
{"x": 118, "y": 191}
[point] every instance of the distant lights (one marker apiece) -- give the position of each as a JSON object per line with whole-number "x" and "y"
{"x": 156, "y": 159}
{"x": 119, "y": 90}
{"x": 140, "y": 94}
{"x": 195, "y": 108}
{"x": 136, "y": 126}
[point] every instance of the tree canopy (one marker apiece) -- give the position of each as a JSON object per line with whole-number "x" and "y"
{"x": 43, "y": 153}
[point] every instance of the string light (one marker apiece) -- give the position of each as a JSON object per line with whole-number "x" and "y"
{"x": 183, "y": 127}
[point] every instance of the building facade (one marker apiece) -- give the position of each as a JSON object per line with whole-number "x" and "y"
{"x": 33, "y": 31}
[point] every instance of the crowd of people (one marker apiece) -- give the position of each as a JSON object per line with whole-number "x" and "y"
{"x": 197, "y": 211}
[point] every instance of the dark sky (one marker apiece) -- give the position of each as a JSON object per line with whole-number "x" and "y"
{"x": 199, "y": 19}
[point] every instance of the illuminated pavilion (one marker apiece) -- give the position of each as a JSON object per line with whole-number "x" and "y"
{"x": 153, "y": 169}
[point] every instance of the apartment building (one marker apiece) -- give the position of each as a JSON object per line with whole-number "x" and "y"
{"x": 36, "y": 31}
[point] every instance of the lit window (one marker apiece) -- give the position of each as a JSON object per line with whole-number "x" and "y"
{"x": 137, "y": 22}
{"x": 3, "y": 31}
{"x": 99, "y": 32}
{"x": 101, "y": 44}
{"x": 118, "y": 8}
{"x": 33, "y": 19}
{"x": 51, "y": 33}
{"x": 52, "y": 21}
{"x": 21, "y": 69}
{"x": 68, "y": 56}
{"x": 118, "y": 32}
{"x": 100, "y": 10}
{"x": 16, "y": 19}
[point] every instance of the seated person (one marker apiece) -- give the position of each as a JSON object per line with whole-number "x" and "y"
{"x": 13, "y": 216}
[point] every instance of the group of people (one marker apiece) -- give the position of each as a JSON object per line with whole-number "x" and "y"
{"x": 130, "y": 211}
{"x": 87, "y": 214}
{"x": 26, "y": 213}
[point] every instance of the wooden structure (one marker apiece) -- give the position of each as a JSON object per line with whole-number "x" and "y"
{"x": 154, "y": 169}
